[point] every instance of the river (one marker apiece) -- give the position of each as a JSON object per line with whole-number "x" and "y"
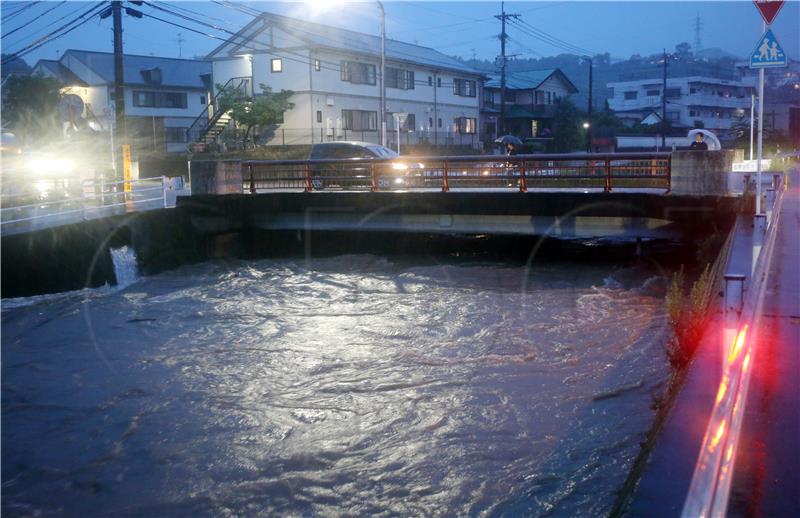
{"x": 348, "y": 385}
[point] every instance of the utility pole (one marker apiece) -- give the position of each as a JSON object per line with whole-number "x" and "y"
{"x": 664, "y": 104}
{"x": 589, "y": 129}
{"x": 503, "y": 59}
{"x": 119, "y": 81}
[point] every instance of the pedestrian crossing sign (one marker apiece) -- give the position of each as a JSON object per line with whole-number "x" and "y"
{"x": 768, "y": 53}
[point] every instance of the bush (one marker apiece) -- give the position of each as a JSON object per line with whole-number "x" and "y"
{"x": 687, "y": 314}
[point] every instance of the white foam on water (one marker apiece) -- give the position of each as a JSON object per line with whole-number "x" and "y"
{"x": 125, "y": 268}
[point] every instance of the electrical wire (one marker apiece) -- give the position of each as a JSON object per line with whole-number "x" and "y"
{"x": 45, "y": 27}
{"x": 5, "y": 34}
{"x": 58, "y": 33}
{"x": 534, "y": 32}
{"x": 20, "y": 10}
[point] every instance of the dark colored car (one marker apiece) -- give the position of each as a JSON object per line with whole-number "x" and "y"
{"x": 358, "y": 174}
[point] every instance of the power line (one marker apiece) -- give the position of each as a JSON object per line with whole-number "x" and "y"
{"x": 554, "y": 41}
{"x": 20, "y": 10}
{"x": 58, "y": 33}
{"x": 45, "y": 27}
{"x": 26, "y": 24}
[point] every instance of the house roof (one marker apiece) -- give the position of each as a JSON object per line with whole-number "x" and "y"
{"x": 530, "y": 79}
{"x": 59, "y": 71}
{"x": 326, "y": 36}
{"x": 181, "y": 73}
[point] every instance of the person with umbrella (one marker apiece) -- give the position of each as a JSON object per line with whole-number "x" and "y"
{"x": 510, "y": 142}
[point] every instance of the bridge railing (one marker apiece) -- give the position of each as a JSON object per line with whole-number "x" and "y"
{"x": 518, "y": 172}
{"x": 31, "y": 205}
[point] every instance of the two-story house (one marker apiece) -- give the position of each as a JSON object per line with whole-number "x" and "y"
{"x": 714, "y": 104}
{"x": 163, "y": 96}
{"x": 335, "y": 76}
{"x": 530, "y": 102}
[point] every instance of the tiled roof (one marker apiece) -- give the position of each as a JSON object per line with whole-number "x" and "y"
{"x": 182, "y": 73}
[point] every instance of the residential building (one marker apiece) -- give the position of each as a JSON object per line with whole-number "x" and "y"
{"x": 163, "y": 96}
{"x": 530, "y": 102}
{"x": 335, "y": 76}
{"x": 781, "y": 98}
{"x": 697, "y": 101}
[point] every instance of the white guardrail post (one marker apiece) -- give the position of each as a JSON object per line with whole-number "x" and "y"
{"x": 164, "y": 190}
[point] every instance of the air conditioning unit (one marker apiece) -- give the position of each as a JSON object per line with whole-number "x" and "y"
{"x": 329, "y": 101}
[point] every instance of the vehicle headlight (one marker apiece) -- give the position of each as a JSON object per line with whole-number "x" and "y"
{"x": 399, "y": 167}
{"x": 51, "y": 165}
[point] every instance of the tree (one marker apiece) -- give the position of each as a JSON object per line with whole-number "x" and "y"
{"x": 30, "y": 107}
{"x": 261, "y": 110}
{"x": 13, "y": 65}
{"x": 567, "y": 127}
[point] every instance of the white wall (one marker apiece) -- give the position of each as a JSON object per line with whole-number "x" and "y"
{"x": 225, "y": 69}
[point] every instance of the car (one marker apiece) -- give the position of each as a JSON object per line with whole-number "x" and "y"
{"x": 357, "y": 175}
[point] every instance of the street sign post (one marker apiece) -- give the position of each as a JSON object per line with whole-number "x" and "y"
{"x": 768, "y": 53}
{"x": 768, "y": 9}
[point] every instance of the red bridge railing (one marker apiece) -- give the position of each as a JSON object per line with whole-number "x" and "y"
{"x": 518, "y": 172}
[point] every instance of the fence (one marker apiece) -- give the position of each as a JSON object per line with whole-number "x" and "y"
{"x": 308, "y": 136}
{"x": 519, "y": 172}
{"x": 28, "y": 206}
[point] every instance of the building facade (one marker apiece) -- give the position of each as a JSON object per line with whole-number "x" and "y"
{"x": 335, "y": 76}
{"x": 713, "y": 104}
{"x": 530, "y": 103}
{"x": 163, "y": 96}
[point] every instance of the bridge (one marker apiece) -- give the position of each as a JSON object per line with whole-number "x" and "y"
{"x": 698, "y": 458}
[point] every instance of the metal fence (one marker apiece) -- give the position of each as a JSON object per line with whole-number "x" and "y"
{"x": 308, "y": 136}
{"x": 519, "y": 172}
{"x": 31, "y": 206}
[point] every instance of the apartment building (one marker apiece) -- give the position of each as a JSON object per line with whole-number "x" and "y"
{"x": 714, "y": 104}
{"x": 335, "y": 76}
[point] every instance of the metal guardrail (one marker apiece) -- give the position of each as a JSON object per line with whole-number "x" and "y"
{"x": 83, "y": 200}
{"x": 709, "y": 491}
{"x": 516, "y": 172}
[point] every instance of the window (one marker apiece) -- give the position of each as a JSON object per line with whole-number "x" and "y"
{"x": 399, "y": 78}
{"x": 317, "y": 65}
{"x": 674, "y": 116}
{"x": 145, "y": 99}
{"x": 653, "y": 93}
{"x": 175, "y": 134}
{"x": 629, "y": 96}
{"x": 439, "y": 82}
{"x": 319, "y": 115}
{"x": 277, "y": 65}
{"x": 488, "y": 97}
{"x": 358, "y": 73}
{"x": 672, "y": 93}
{"x": 693, "y": 113}
{"x": 465, "y": 125}
{"x": 440, "y": 122}
{"x": 430, "y": 122}
{"x": 430, "y": 81}
{"x": 152, "y": 75}
{"x": 203, "y": 99}
{"x": 464, "y": 87}
{"x": 510, "y": 97}
{"x": 549, "y": 100}
{"x": 692, "y": 90}
{"x": 360, "y": 120}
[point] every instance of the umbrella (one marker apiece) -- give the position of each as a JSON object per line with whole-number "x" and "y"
{"x": 506, "y": 139}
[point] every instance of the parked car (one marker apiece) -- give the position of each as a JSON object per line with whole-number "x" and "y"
{"x": 358, "y": 174}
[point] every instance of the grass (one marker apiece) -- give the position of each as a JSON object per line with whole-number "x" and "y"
{"x": 687, "y": 311}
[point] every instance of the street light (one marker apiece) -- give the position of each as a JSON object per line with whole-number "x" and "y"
{"x": 585, "y": 125}
{"x": 383, "y": 73}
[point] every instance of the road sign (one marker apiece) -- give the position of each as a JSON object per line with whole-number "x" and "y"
{"x": 768, "y": 9}
{"x": 768, "y": 53}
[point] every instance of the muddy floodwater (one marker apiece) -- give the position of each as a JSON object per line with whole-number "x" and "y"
{"x": 349, "y": 385}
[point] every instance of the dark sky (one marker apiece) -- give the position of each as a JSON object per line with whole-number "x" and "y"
{"x": 457, "y": 28}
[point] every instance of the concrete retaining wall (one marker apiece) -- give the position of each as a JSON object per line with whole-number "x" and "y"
{"x": 701, "y": 172}
{"x": 216, "y": 177}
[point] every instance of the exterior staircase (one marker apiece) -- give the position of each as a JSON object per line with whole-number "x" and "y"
{"x": 212, "y": 121}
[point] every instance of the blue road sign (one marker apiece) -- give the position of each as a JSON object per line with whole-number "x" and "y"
{"x": 768, "y": 53}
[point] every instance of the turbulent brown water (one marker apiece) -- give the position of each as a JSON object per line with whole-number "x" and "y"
{"x": 352, "y": 385}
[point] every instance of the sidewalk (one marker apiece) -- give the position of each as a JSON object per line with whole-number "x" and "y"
{"x": 767, "y": 470}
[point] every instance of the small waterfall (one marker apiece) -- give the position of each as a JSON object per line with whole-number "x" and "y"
{"x": 125, "y": 269}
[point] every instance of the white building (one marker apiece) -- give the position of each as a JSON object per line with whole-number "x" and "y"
{"x": 335, "y": 76}
{"x": 163, "y": 96}
{"x": 716, "y": 104}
